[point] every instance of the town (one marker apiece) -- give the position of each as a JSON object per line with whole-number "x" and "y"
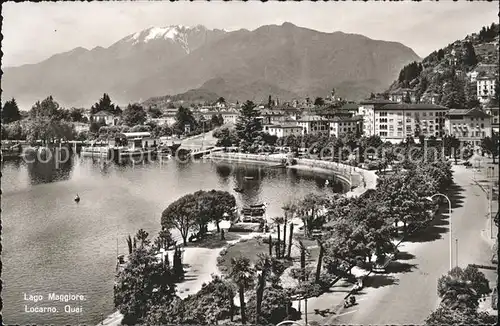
{"x": 214, "y": 209}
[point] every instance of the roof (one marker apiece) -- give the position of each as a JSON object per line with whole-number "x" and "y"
{"x": 137, "y": 134}
{"x": 419, "y": 106}
{"x": 347, "y": 119}
{"x": 103, "y": 113}
{"x": 376, "y": 101}
{"x": 312, "y": 118}
{"x": 284, "y": 126}
{"x": 349, "y": 106}
{"x": 468, "y": 112}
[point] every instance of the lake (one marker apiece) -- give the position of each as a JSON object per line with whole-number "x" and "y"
{"x": 53, "y": 245}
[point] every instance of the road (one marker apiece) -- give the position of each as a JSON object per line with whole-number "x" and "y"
{"x": 408, "y": 294}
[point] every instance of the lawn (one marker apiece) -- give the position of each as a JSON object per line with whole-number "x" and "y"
{"x": 249, "y": 248}
{"x": 213, "y": 240}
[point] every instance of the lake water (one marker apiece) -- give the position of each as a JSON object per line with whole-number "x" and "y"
{"x": 52, "y": 244}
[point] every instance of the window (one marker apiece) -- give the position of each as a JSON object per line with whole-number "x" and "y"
{"x": 383, "y": 133}
{"x": 484, "y": 134}
{"x": 400, "y": 134}
{"x": 482, "y": 125}
{"x": 408, "y": 114}
{"x": 408, "y": 120}
{"x": 383, "y": 120}
{"x": 408, "y": 128}
{"x": 383, "y": 114}
{"x": 424, "y": 114}
{"x": 431, "y": 114}
{"x": 383, "y": 127}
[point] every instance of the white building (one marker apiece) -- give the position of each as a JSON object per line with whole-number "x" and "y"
{"x": 468, "y": 125}
{"x": 81, "y": 127}
{"x": 166, "y": 119}
{"x": 314, "y": 124}
{"x": 343, "y": 125}
{"x": 485, "y": 88}
{"x": 396, "y": 122}
{"x": 105, "y": 117}
{"x": 283, "y": 130}
{"x": 494, "y": 113}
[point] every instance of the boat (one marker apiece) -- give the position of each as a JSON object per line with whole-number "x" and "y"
{"x": 248, "y": 178}
{"x": 238, "y": 189}
{"x": 77, "y": 198}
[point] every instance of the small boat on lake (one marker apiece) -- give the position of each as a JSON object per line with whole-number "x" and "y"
{"x": 77, "y": 198}
{"x": 248, "y": 178}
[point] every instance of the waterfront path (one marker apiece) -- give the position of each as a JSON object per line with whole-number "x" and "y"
{"x": 407, "y": 294}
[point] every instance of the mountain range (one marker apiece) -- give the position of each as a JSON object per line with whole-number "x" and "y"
{"x": 284, "y": 61}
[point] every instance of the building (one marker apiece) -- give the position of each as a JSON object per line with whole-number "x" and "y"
{"x": 273, "y": 116}
{"x": 342, "y": 125}
{"x": 166, "y": 119}
{"x": 230, "y": 116}
{"x": 81, "y": 127}
{"x": 105, "y": 117}
{"x": 485, "y": 87}
{"x": 367, "y": 110}
{"x": 399, "y": 95}
{"x": 494, "y": 113}
{"x": 396, "y": 121}
{"x": 284, "y": 130}
{"x": 468, "y": 125}
{"x": 314, "y": 124}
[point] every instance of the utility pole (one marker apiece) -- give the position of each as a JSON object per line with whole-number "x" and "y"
{"x": 456, "y": 255}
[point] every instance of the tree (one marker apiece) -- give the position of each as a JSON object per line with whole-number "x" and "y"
{"x": 143, "y": 282}
{"x": 311, "y": 212}
{"x": 105, "y": 104}
{"x": 10, "y": 112}
{"x": 222, "y": 206}
{"x": 76, "y": 115}
{"x": 154, "y": 112}
{"x": 469, "y": 58}
{"x": 47, "y": 109}
{"x": 214, "y": 302}
{"x": 276, "y": 306}
{"x": 491, "y": 145}
{"x": 183, "y": 118}
{"x": 319, "y": 101}
{"x": 242, "y": 274}
{"x": 249, "y": 126}
{"x": 134, "y": 115}
{"x": 182, "y": 215}
{"x": 446, "y": 316}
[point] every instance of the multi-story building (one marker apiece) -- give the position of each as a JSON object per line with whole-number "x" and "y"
{"x": 342, "y": 125}
{"x": 367, "y": 110}
{"x": 396, "y": 121}
{"x": 284, "y": 130}
{"x": 485, "y": 87}
{"x": 468, "y": 125}
{"x": 494, "y": 113}
{"x": 399, "y": 95}
{"x": 314, "y": 124}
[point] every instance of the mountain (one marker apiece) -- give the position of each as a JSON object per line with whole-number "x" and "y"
{"x": 285, "y": 61}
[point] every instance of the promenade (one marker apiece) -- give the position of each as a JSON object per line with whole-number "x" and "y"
{"x": 407, "y": 293}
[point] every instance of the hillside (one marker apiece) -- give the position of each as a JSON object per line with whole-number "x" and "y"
{"x": 286, "y": 61}
{"x": 449, "y": 74}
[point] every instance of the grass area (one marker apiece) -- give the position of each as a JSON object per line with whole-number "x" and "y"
{"x": 306, "y": 241}
{"x": 213, "y": 240}
{"x": 249, "y": 248}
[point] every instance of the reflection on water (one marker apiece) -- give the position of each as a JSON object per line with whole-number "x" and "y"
{"x": 52, "y": 244}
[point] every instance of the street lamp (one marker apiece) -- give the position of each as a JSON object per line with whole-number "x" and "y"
{"x": 449, "y": 212}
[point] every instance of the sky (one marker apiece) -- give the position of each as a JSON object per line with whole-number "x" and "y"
{"x": 35, "y": 31}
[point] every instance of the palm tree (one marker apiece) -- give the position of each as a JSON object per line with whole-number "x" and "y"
{"x": 290, "y": 208}
{"x": 278, "y": 221}
{"x": 242, "y": 274}
{"x": 264, "y": 266}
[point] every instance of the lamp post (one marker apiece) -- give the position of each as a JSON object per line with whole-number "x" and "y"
{"x": 450, "y": 219}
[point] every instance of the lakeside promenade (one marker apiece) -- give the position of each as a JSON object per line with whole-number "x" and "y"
{"x": 192, "y": 256}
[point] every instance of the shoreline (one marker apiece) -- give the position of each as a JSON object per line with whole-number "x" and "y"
{"x": 369, "y": 178}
